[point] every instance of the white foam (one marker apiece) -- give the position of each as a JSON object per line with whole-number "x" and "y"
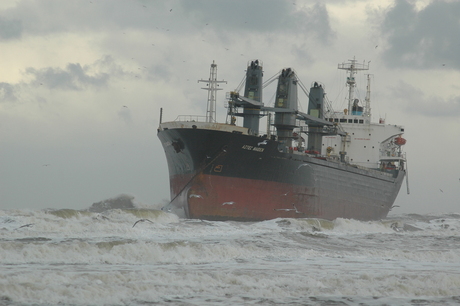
{"x": 87, "y": 258}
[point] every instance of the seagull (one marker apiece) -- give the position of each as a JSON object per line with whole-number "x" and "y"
{"x": 302, "y": 165}
{"x": 262, "y": 143}
{"x": 395, "y": 227}
{"x": 441, "y": 190}
{"x": 142, "y": 220}
{"x": 287, "y": 209}
{"x": 228, "y": 203}
{"x": 195, "y": 196}
{"x": 296, "y": 211}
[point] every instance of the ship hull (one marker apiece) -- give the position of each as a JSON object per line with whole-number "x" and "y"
{"x": 219, "y": 174}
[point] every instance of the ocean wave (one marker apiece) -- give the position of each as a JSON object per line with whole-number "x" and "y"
{"x": 82, "y": 257}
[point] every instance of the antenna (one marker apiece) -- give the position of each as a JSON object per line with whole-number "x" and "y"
{"x": 367, "y": 109}
{"x": 212, "y": 89}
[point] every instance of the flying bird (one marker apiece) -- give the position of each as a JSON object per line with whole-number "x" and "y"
{"x": 302, "y": 165}
{"x": 262, "y": 142}
{"x": 142, "y": 220}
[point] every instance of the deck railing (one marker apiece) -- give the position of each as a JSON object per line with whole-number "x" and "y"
{"x": 191, "y": 118}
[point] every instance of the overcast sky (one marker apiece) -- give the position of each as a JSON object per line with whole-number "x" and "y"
{"x": 82, "y": 83}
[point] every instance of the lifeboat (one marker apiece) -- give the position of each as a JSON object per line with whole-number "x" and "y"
{"x": 400, "y": 141}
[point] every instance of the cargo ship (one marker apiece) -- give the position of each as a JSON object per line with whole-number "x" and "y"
{"x": 314, "y": 164}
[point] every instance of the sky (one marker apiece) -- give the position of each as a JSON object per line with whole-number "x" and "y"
{"x": 82, "y": 83}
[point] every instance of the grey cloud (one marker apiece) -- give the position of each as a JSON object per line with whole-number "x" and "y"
{"x": 109, "y": 66}
{"x": 423, "y": 39}
{"x": 239, "y": 14}
{"x": 8, "y": 92}
{"x": 159, "y": 72}
{"x": 174, "y": 18}
{"x": 261, "y": 17}
{"x": 51, "y": 16}
{"x": 416, "y": 102}
{"x": 10, "y": 29}
{"x": 73, "y": 77}
{"x": 316, "y": 20}
{"x": 436, "y": 107}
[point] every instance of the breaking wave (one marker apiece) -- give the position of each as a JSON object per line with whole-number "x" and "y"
{"x": 132, "y": 255}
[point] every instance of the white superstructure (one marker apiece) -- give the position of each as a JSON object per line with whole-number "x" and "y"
{"x": 366, "y": 144}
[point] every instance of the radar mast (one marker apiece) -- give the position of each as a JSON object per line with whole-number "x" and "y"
{"x": 352, "y": 67}
{"x": 212, "y": 89}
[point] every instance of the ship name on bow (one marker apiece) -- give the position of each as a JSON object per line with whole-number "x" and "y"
{"x": 252, "y": 148}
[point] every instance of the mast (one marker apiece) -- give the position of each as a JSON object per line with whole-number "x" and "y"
{"x": 212, "y": 84}
{"x": 352, "y": 67}
{"x": 367, "y": 108}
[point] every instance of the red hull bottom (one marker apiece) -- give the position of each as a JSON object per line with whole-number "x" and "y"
{"x": 224, "y": 198}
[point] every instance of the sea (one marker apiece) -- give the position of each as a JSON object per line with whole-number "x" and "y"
{"x": 143, "y": 256}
